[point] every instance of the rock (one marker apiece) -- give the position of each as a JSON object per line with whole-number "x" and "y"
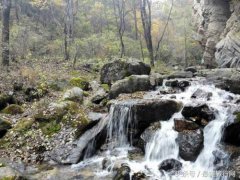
{"x": 123, "y": 173}
{"x": 117, "y": 70}
{"x": 5, "y": 100}
{"x": 199, "y": 93}
{"x": 156, "y": 79}
{"x": 74, "y": 94}
{"x": 17, "y": 86}
{"x": 180, "y": 74}
{"x": 139, "y": 176}
{"x": 80, "y": 82}
{"x": 199, "y": 113}
{"x": 231, "y": 134}
{"x": 142, "y": 113}
{"x": 58, "y": 84}
{"x": 94, "y": 116}
{"x": 91, "y": 139}
{"x": 178, "y": 84}
{"x": 32, "y": 93}
{"x": 191, "y": 69}
{"x": 148, "y": 134}
{"x": 181, "y": 125}
{"x": 190, "y": 144}
{"x": 130, "y": 84}
{"x": 4, "y": 127}
{"x": 170, "y": 165}
{"x": 97, "y": 99}
{"x": 220, "y": 159}
{"x": 13, "y": 109}
{"x": 107, "y": 164}
{"x": 234, "y": 165}
{"x": 8, "y": 173}
{"x": 233, "y": 84}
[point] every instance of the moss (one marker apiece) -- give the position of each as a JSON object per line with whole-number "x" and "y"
{"x": 23, "y": 125}
{"x": 80, "y": 82}
{"x": 238, "y": 117}
{"x": 86, "y": 94}
{"x": 8, "y": 178}
{"x": 13, "y": 109}
{"x": 2, "y": 165}
{"x": 105, "y": 87}
{"x": 50, "y": 128}
{"x": 4, "y": 144}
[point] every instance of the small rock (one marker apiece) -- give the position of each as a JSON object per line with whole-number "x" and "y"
{"x": 180, "y": 125}
{"x": 74, "y": 94}
{"x": 170, "y": 165}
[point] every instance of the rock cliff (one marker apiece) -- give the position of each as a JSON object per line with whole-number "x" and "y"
{"x": 218, "y": 30}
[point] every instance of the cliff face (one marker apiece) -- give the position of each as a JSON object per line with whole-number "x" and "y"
{"x": 218, "y": 30}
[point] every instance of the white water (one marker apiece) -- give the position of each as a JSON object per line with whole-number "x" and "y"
{"x": 163, "y": 145}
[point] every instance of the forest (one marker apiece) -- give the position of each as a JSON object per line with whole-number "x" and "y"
{"x": 119, "y": 89}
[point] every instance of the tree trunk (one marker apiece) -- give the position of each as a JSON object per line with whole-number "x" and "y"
{"x": 5, "y": 31}
{"x": 147, "y": 27}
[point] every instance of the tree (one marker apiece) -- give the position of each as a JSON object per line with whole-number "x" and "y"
{"x": 146, "y": 16}
{"x": 120, "y": 13}
{"x": 5, "y": 31}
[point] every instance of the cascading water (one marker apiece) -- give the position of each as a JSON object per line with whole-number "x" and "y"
{"x": 163, "y": 144}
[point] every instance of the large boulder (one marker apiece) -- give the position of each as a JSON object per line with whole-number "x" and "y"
{"x": 190, "y": 144}
{"x": 231, "y": 134}
{"x": 201, "y": 114}
{"x": 170, "y": 165}
{"x": 4, "y": 127}
{"x": 119, "y": 69}
{"x": 144, "y": 112}
{"x": 130, "y": 85}
{"x": 181, "y": 74}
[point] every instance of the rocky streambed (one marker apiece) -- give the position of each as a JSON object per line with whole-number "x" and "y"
{"x": 146, "y": 126}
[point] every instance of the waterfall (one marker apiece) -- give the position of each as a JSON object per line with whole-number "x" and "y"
{"x": 163, "y": 144}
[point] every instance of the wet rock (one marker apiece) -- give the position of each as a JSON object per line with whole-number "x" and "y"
{"x": 107, "y": 164}
{"x": 181, "y": 125}
{"x": 119, "y": 69}
{"x": 170, "y": 165}
{"x": 130, "y": 84}
{"x": 233, "y": 84}
{"x": 148, "y": 134}
{"x": 13, "y": 109}
{"x": 139, "y": 176}
{"x": 4, "y": 127}
{"x": 181, "y": 74}
{"x": 144, "y": 112}
{"x": 220, "y": 159}
{"x": 234, "y": 165}
{"x": 231, "y": 134}
{"x": 178, "y": 84}
{"x": 199, "y": 93}
{"x": 74, "y": 94}
{"x": 200, "y": 113}
{"x": 6, "y": 100}
{"x": 123, "y": 173}
{"x": 191, "y": 69}
{"x": 190, "y": 144}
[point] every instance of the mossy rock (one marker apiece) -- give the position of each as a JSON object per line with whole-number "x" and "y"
{"x": 24, "y": 125}
{"x": 13, "y": 109}
{"x": 105, "y": 87}
{"x": 80, "y": 82}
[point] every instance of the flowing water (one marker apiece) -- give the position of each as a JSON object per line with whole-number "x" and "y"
{"x": 163, "y": 144}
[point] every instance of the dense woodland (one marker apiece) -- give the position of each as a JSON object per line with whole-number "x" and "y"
{"x": 97, "y": 30}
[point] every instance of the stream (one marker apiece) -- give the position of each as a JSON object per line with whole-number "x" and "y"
{"x": 163, "y": 144}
